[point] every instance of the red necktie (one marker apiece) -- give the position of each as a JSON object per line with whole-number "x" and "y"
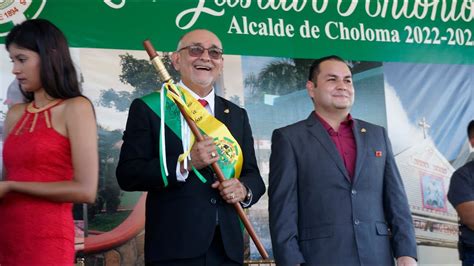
{"x": 203, "y": 102}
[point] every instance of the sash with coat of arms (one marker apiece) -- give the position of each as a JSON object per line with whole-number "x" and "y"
{"x": 164, "y": 104}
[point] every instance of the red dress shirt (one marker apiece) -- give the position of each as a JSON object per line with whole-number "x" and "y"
{"x": 344, "y": 141}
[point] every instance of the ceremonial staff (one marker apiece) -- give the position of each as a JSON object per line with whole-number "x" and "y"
{"x": 165, "y": 77}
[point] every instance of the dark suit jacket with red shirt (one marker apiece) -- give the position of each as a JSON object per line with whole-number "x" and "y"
{"x": 319, "y": 217}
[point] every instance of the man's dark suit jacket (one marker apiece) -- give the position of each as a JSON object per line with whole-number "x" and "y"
{"x": 181, "y": 218}
{"x": 319, "y": 217}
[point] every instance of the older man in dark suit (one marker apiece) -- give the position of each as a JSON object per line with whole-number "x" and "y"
{"x": 335, "y": 194}
{"x": 189, "y": 217}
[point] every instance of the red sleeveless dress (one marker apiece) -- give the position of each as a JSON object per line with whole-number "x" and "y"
{"x": 35, "y": 231}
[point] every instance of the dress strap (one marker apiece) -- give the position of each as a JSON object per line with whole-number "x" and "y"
{"x": 31, "y": 108}
{"x": 42, "y": 115}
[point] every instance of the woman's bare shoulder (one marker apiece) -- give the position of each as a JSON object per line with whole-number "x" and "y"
{"x": 78, "y": 104}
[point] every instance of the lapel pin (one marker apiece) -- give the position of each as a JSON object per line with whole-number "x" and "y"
{"x": 363, "y": 130}
{"x": 378, "y": 153}
{"x": 226, "y": 111}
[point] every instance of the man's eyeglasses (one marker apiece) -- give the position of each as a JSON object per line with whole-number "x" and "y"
{"x": 197, "y": 50}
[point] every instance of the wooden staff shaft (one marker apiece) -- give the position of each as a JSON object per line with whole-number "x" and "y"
{"x": 197, "y": 134}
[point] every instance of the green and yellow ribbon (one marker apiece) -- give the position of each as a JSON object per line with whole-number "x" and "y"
{"x": 230, "y": 154}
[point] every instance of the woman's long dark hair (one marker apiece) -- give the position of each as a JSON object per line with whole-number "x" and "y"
{"x": 57, "y": 73}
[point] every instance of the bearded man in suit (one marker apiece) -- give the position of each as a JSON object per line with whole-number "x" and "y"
{"x": 335, "y": 194}
{"x": 189, "y": 217}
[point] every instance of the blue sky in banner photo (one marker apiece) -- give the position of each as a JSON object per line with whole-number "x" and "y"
{"x": 442, "y": 94}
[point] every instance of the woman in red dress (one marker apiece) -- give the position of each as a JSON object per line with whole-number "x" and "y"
{"x": 50, "y": 150}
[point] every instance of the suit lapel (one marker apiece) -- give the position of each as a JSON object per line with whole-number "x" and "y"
{"x": 221, "y": 111}
{"x": 360, "y": 135}
{"x": 319, "y": 132}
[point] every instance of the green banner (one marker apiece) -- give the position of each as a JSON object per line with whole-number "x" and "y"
{"x": 428, "y": 31}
